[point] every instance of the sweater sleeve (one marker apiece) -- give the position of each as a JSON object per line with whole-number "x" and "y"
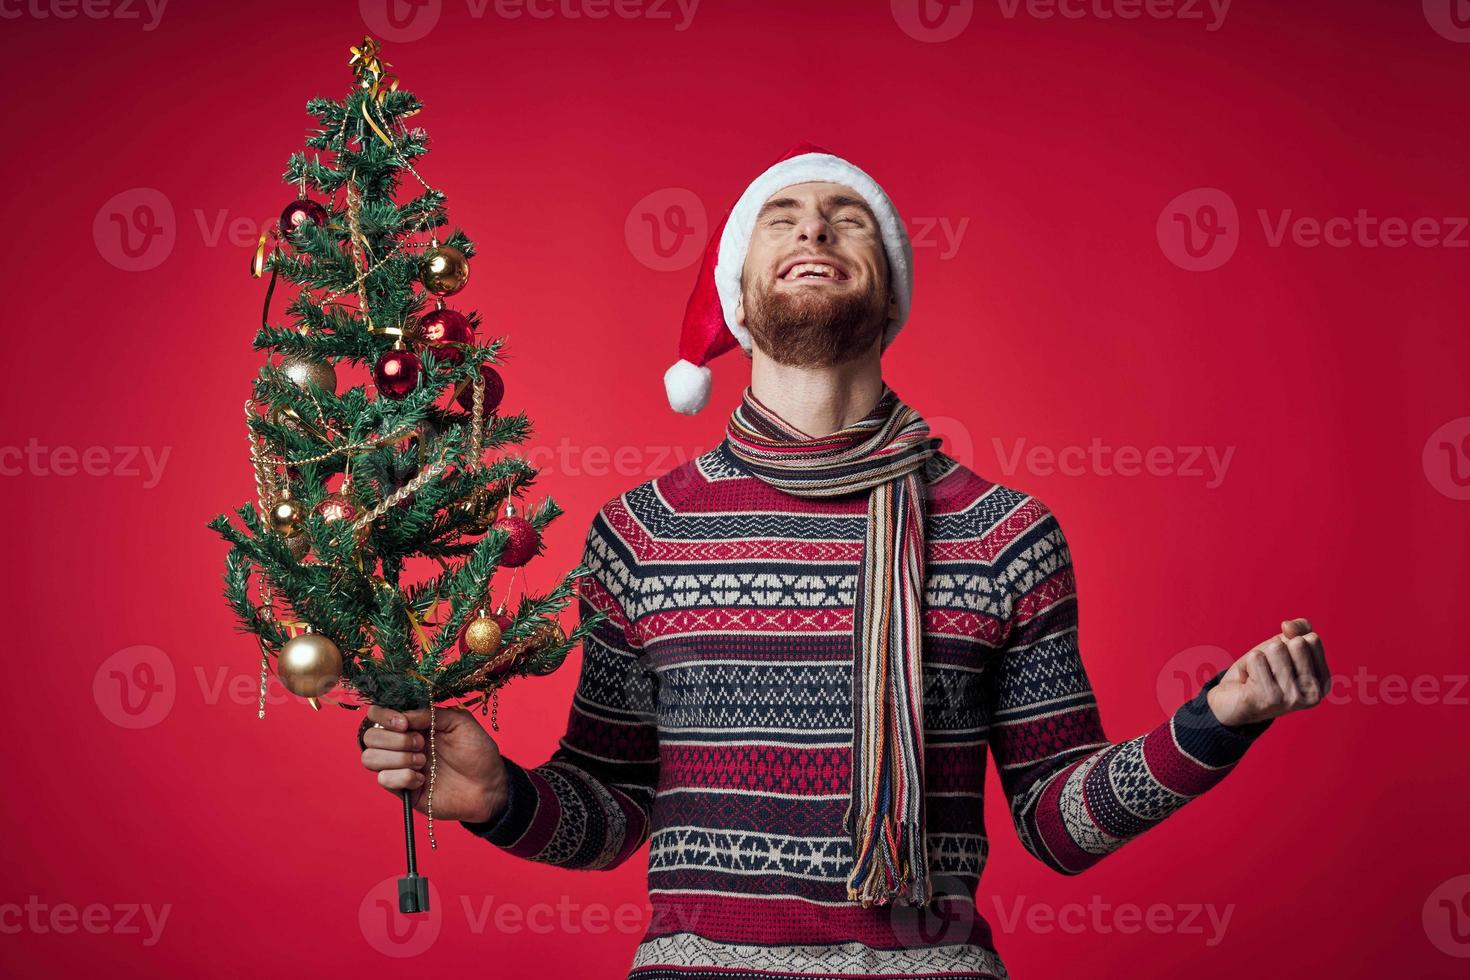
{"x": 1074, "y": 796}
{"x": 590, "y": 805}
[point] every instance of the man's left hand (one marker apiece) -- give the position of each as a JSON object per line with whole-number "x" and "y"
{"x": 1286, "y": 673}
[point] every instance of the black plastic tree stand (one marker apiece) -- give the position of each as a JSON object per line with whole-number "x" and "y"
{"x": 413, "y": 888}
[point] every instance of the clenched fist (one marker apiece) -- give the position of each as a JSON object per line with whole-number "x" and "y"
{"x": 1286, "y": 673}
{"x": 469, "y": 778}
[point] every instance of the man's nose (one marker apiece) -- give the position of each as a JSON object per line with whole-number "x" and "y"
{"x": 813, "y": 229}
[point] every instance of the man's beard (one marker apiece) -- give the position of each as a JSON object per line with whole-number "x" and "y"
{"x": 815, "y": 326}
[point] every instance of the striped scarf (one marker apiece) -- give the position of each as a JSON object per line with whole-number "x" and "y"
{"x": 882, "y": 454}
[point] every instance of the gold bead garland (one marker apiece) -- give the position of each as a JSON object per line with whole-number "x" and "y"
{"x": 361, "y": 251}
{"x": 266, "y": 490}
{"x": 433, "y": 768}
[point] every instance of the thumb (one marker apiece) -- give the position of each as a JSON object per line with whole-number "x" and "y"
{"x": 1295, "y": 627}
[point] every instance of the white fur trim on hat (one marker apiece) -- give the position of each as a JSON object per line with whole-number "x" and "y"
{"x": 735, "y": 240}
{"x": 688, "y": 387}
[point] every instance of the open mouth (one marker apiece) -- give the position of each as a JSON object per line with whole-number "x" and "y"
{"x": 812, "y": 269}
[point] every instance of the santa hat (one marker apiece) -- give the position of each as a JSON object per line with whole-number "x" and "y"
{"x": 709, "y": 320}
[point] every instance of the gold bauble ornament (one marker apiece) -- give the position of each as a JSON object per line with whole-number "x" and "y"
{"x": 444, "y": 270}
{"x": 298, "y": 545}
{"x": 309, "y": 665}
{"x": 287, "y": 517}
{"x": 302, "y": 370}
{"x": 482, "y": 636}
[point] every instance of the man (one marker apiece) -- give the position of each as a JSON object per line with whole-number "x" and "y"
{"x": 813, "y": 634}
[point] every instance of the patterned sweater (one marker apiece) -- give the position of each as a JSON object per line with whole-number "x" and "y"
{"x": 713, "y": 719}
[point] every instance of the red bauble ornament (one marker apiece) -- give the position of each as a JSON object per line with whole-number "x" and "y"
{"x": 337, "y": 507}
{"x": 521, "y": 540}
{"x": 397, "y": 373}
{"x": 443, "y": 329}
{"x": 494, "y": 391}
{"x": 303, "y": 210}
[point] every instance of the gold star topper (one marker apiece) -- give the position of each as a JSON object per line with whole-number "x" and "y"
{"x": 371, "y": 70}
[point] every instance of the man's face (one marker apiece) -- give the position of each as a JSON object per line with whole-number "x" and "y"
{"x": 814, "y": 291}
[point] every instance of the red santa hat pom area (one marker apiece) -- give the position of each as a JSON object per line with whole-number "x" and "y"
{"x": 709, "y": 320}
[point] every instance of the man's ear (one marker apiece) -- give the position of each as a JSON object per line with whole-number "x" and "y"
{"x": 740, "y": 309}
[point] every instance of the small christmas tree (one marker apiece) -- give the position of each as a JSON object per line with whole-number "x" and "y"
{"x": 352, "y": 487}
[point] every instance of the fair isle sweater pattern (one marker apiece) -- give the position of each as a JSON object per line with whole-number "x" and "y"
{"x": 713, "y": 720}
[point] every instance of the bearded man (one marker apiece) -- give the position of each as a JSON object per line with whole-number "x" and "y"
{"x": 813, "y": 635}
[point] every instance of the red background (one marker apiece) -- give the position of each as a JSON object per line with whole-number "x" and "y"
{"x": 1058, "y": 319}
